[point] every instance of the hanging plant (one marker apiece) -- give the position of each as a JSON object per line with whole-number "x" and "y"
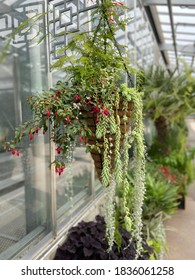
{"x": 95, "y": 105}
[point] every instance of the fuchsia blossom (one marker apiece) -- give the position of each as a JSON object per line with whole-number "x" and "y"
{"x": 58, "y": 150}
{"x": 48, "y": 113}
{"x": 88, "y": 100}
{"x": 95, "y": 110}
{"x": 14, "y": 152}
{"x": 97, "y": 120}
{"x": 59, "y": 170}
{"x": 106, "y": 112}
{"x": 58, "y": 92}
{"x": 77, "y": 98}
{"x": 31, "y": 137}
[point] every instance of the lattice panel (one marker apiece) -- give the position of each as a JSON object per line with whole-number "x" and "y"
{"x": 67, "y": 16}
{"x": 18, "y": 15}
{"x": 64, "y": 16}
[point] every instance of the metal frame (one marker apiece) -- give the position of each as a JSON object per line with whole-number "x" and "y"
{"x": 157, "y": 26}
{"x": 183, "y": 3}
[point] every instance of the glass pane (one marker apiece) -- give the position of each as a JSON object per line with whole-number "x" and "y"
{"x": 76, "y": 186}
{"x": 24, "y": 179}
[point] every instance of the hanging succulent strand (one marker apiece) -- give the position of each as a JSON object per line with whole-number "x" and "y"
{"x": 109, "y": 214}
{"x": 139, "y": 173}
{"x": 118, "y": 164}
{"x": 106, "y": 164}
{"x": 126, "y": 185}
{"x": 137, "y": 138}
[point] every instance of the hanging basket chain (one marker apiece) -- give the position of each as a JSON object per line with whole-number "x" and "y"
{"x": 116, "y": 44}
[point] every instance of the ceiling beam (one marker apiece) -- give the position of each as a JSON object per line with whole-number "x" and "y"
{"x": 179, "y": 32}
{"x": 169, "y": 2}
{"x": 174, "y": 3}
{"x": 186, "y": 50}
{"x": 177, "y": 14}
{"x": 155, "y": 25}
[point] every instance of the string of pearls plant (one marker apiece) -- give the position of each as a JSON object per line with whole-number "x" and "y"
{"x": 132, "y": 220}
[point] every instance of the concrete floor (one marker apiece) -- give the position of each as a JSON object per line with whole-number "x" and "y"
{"x": 180, "y": 231}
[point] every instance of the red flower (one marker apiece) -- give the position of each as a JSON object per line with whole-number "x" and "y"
{"x": 17, "y": 153}
{"x": 59, "y": 170}
{"x": 31, "y": 137}
{"x": 58, "y": 92}
{"x": 106, "y": 112}
{"x": 48, "y": 113}
{"x": 77, "y": 98}
{"x": 165, "y": 170}
{"x": 58, "y": 150}
{"x": 80, "y": 138}
{"x": 56, "y": 113}
{"x": 95, "y": 110}
{"x": 13, "y": 152}
{"x": 36, "y": 130}
{"x": 88, "y": 100}
{"x": 43, "y": 132}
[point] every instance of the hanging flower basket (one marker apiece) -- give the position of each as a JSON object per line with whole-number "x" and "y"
{"x": 98, "y": 155}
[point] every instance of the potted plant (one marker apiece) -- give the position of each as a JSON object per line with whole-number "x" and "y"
{"x": 94, "y": 104}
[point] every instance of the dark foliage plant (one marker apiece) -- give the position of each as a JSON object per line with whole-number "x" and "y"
{"x": 87, "y": 241}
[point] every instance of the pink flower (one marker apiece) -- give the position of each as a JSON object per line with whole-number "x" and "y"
{"x": 80, "y": 138}
{"x": 111, "y": 20}
{"x": 116, "y": 3}
{"x": 17, "y": 153}
{"x": 106, "y": 112}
